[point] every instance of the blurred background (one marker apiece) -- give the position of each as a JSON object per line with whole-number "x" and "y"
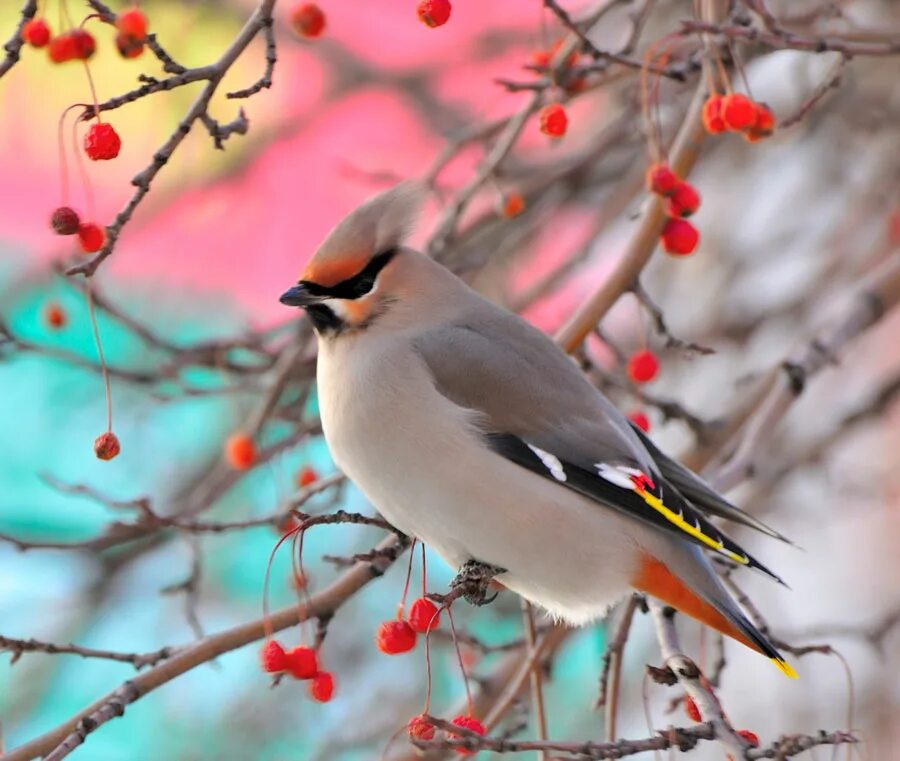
{"x": 790, "y": 227}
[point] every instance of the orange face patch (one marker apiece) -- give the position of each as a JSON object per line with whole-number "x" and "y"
{"x": 332, "y": 270}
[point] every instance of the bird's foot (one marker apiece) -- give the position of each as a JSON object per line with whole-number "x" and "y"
{"x": 471, "y": 583}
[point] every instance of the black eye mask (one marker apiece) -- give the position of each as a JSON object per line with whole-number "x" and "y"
{"x": 353, "y": 287}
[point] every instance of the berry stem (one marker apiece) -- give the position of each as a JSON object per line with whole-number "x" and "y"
{"x": 83, "y": 174}
{"x": 462, "y": 666}
{"x": 103, "y": 368}
{"x": 401, "y": 607}
{"x": 424, "y": 573}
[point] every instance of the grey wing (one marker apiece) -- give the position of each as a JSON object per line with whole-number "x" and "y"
{"x": 539, "y": 411}
{"x": 493, "y": 362}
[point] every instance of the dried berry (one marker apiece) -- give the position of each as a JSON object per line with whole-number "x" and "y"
{"x": 302, "y": 662}
{"x": 750, "y": 737}
{"x": 65, "y": 221}
{"x": 419, "y": 728}
{"x": 321, "y": 688}
{"x": 661, "y": 179}
{"x": 128, "y": 46}
{"x": 424, "y": 616}
{"x": 240, "y": 451}
{"x": 679, "y": 237}
{"x": 643, "y": 366}
{"x": 36, "y": 33}
{"x": 308, "y": 20}
{"x": 91, "y": 237}
{"x": 472, "y": 724}
{"x": 434, "y": 13}
{"x": 106, "y": 446}
{"x": 395, "y": 637}
{"x": 102, "y": 142}
{"x": 273, "y": 657}
{"x": 554, "y": 121}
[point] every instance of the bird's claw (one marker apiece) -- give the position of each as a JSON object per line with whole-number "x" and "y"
{"x": 472, "y": 580}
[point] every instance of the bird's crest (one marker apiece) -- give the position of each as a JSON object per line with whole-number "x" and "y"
{"x": 379, "y": 225}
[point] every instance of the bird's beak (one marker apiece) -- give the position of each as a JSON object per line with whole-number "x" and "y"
{"x": 299, "y": 296}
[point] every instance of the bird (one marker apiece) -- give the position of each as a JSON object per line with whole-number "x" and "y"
{"x": 470, "y": 430}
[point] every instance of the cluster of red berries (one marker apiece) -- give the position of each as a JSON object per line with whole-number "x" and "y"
{"x": 553, "y": 120}
{"x": 240, "y": 451}
{"x": 679, "y": 237}
{"x": 419, "y": 728}
{"x": 65, "y": 221}
{"x": 79, "y": 44}
{"x": 434, "y": 13}
{"x": 400, "y": 635}
{"x": 308, "y": 20}
{"x": 738, "y": 113}
{"x": 302, "y": 663}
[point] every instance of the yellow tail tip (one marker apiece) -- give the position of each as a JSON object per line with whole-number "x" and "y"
{"x": 785, "y": 668}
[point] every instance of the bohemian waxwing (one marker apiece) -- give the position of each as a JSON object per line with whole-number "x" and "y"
{"x": 472, "y": 431}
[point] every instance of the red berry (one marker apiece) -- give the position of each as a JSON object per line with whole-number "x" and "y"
{"x": 684, "y": 201}
{"x": 132, "y": 23}
{"x": 102, "y": 142}
{"x": 395, "y": 637}
{"x": 308, "y": 20}
{"x": 106, "y": 446}
{"x": 434, "y": 12}
{"x": 419, "y": 728}
{"x": 424, "y": 616}
{"x": 470, "y": 723}
{"x": 640, "y": 419}
{"x": 306, "y": 476}
{"x": 712, "y": 115}
{"x": 512, "y": 205}
{"x": 62, "y": 48}
{"x": 763, "y": 123}
{"x": 128, "y": 46}
{"x": 91, "y": 237}
{"x": 302, "y": 662}
{"x": 661, "y": 179}
{"x": 554, "y": 121}
{"x": 240, "y": 451}
{"x": 55, "y": 316}
{"x": 679, "y": 237}
{"x": 84, "y": 43}
{"x": 36, "y": 33}
{"x": 273, "y": 657}
{"x": 65, "y": 221}
{"x": 690, "y": 708}
{"x": 738, "y": 111}
{"x": 321, "y": 687}
{"x": 750, "y": 737}
{"x": 643, "y": 366}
